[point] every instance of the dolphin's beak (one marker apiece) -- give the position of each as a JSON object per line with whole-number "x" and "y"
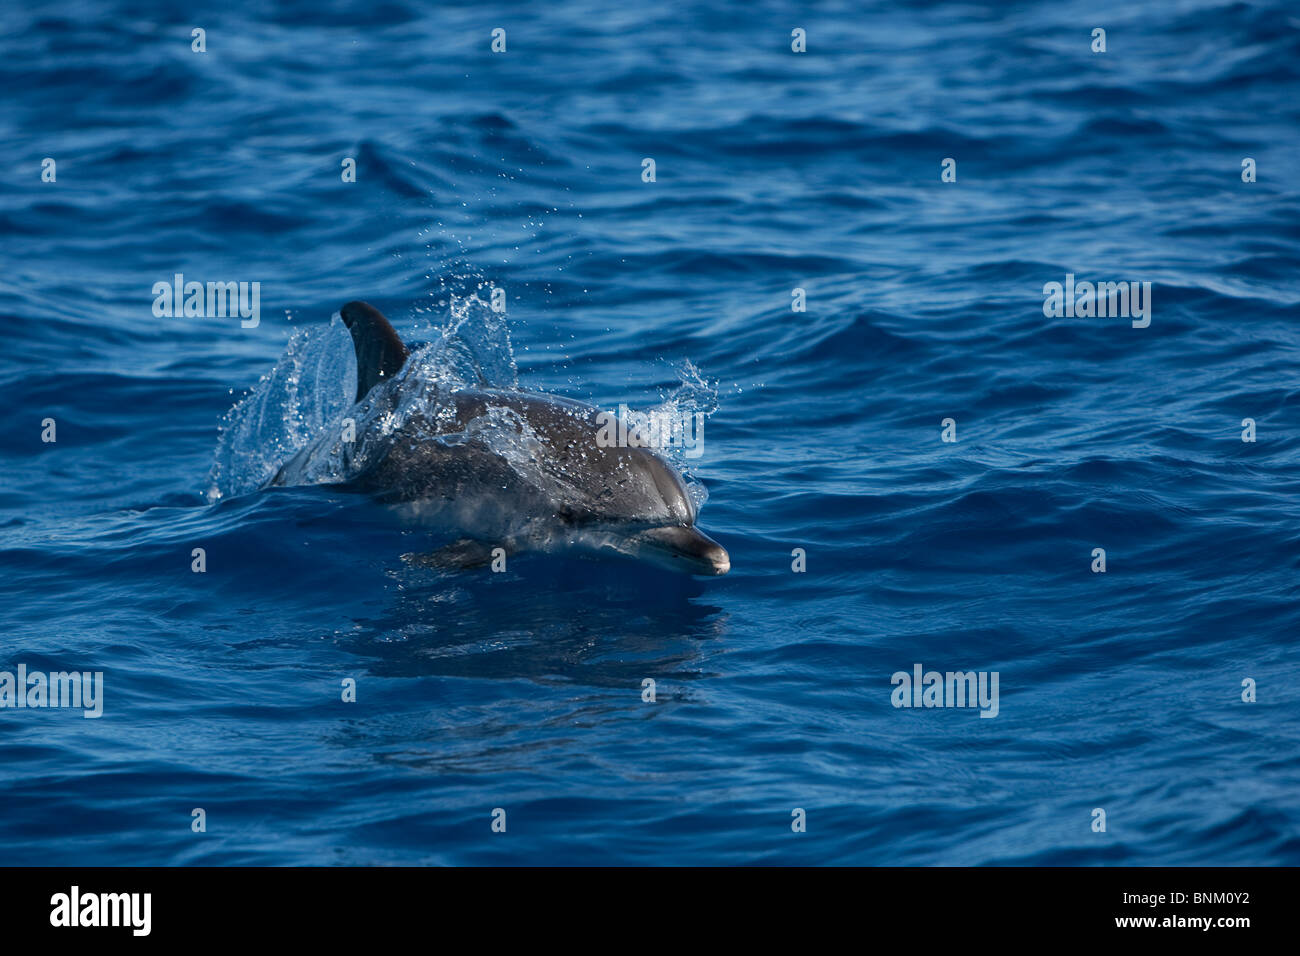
{"x": 685, "y": 549}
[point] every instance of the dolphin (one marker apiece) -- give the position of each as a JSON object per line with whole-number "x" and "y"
{"x": 557, "y": 482}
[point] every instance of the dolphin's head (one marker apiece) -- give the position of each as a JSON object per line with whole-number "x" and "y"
{"x": 677, "y": 544}
{"x": 635, "y": 489}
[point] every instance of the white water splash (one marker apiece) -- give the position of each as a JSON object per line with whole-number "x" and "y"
{"x": 310, "y": 387}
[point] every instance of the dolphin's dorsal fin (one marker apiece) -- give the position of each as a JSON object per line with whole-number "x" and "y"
{"x": 380, "y": 352}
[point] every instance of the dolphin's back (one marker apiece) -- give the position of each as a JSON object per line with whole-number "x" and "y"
{"x": 560, "y": 468}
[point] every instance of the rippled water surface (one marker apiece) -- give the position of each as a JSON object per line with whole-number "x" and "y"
{"x": 773, "y": 171}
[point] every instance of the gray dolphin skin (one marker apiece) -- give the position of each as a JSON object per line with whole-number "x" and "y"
{"x": 573, "y": 491}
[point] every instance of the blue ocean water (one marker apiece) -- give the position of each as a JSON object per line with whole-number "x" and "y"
{"x": 774, "y": 171}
